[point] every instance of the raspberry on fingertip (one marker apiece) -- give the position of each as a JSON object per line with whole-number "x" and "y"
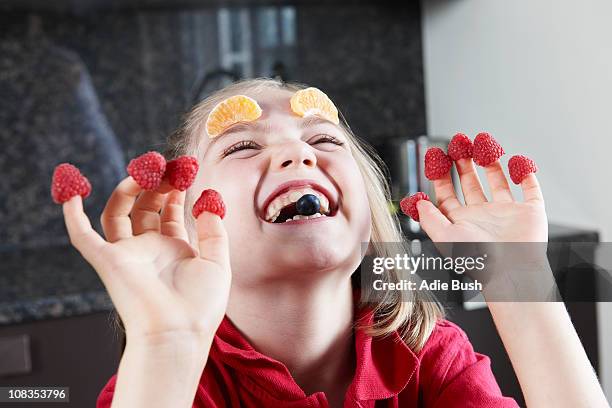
{"x": 520, "y": 167}
{"x": 486, "y": 149}
{"x": 148, "y": 170}
{"x": 68, "y": 182}
{"x": 460, "y": 147}
{"x": 437, "y": 163}
{"x": 408, "y": 204}
{"x": 211, "y": 201}
{"x": 181, "y": 172}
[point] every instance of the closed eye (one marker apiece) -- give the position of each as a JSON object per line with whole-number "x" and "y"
{"x": 242, "y": 145}
{"x": 327, "y": 139}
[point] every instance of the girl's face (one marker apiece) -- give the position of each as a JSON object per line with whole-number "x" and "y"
{"x": 257, "y": 165}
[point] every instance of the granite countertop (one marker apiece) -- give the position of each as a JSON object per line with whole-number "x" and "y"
{"x": 50, "y": 282}
{"x": 53, "y": 282}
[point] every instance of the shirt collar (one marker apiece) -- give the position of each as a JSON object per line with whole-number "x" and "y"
{"x": 384, "y": 365}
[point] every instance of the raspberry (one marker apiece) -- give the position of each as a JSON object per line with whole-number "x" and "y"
{"x": 486, "y": 149}
{"x": 181, "y": 172}
{"x": 67, "y": 182}
{"x": 520, "y": 167}
{"x": 460, "y": 147}
{"x": 437, "y": 163}
{"x": 408, "y": 204}
{"x": 148, "y": 170}
{"x": 211, "y": 201}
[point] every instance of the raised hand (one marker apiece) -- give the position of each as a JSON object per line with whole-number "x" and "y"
{"x": 502, "y": 219}
{"x": 518, "y": 289}
{"x": 160, "y": 284}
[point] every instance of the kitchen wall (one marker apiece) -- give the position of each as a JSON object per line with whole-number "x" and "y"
{"x": 537, "y": 75}
{"x": 140, "y": 68}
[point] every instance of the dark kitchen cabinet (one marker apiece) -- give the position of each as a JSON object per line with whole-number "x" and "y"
{"x": 77, "y": 352}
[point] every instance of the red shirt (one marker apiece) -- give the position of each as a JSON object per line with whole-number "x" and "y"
{"x": 445, "y": 373}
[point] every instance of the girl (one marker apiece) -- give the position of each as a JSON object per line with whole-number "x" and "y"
{"x": 245, "y": 312}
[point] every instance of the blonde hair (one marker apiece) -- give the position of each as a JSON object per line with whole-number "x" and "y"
{"x": 415, "y": 318}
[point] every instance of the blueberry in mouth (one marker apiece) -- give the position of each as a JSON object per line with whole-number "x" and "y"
{"x": 308, "y": 204}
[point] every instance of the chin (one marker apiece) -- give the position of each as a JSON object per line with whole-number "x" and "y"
{"x": 312, "y": 256}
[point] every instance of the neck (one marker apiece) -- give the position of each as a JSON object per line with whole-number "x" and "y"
{"x": 281, "y": 318}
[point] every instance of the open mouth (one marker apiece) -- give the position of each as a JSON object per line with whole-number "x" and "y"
{"x": 282, "y": 208}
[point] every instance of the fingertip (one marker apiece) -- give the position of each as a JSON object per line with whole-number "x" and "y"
{"x": 445, "y": 179}
{"x": 432, "y": 220}
{"x": 165, "y": 187}
{"x": 465, "y": 162}
{"x": 529, "y": 180}
{"x": 424, "y": 206}
{"x": 427, "y": 210}
{"x": 129, "y": 184}
{"x": 531, "y": 188}
{"x": 208, "y": 222}
{"x": 494, "y": 166}
{"x": 175, "y": 197}
{"x": 74, "y": 203}
{"x": 212, "y": 238}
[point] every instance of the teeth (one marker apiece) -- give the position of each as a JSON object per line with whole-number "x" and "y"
{"x": 324, "y": 202}
{"x": 305, "y": 217}
{"x": 294, "y": 196}
{"x": 275, "y": 207}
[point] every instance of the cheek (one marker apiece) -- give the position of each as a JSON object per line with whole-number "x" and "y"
{"x": 350, "y": 182}
{"x": 354, "y": 198}
{"x": 236, "y": 181}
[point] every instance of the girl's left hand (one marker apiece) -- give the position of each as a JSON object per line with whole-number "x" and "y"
{"x": 502, "y": 219}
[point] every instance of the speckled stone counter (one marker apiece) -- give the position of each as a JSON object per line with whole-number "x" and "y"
{"x": 51, "y": 282}
{"x": 49, "y": 114}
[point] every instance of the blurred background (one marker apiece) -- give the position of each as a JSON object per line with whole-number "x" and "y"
{"x": 98, "y": 82}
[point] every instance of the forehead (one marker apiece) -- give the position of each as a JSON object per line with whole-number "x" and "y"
{"x": 272, "y": 101}
{"x": 275, "y": 103}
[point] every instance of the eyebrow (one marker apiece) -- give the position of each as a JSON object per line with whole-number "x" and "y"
{"x": 314, "y": 120}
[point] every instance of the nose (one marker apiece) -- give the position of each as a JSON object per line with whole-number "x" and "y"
{"x": 293, "y": 154}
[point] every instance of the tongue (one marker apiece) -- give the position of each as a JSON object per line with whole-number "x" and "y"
{"x": 286, "y": 213}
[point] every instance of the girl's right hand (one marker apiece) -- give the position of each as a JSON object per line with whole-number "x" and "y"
{"x": 161, "y": 286}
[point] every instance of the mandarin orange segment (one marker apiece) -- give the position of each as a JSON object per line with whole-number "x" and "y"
{"x": 313, "y": 101}
{"x": 237, "y": 108}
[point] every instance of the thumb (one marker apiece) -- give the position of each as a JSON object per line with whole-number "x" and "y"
{"x": 213, "y": 243}
{"x": 433, "y": 222}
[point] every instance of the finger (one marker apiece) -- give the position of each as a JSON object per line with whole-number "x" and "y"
{"x": 473, "y": 192}
{"x": 164, "y": 187}
{"x": 433, "y": 222}
{"x": 145, "y": 212}
{"x": 212, "y": 239}
{"x": 531, "y": 189}
{"x": 115, "y": 218}
{"x": 173, "y": 216}
{"x": 498, "y": 183}
{"x": 82, "y": 236}
{"x": 445, "y": 194}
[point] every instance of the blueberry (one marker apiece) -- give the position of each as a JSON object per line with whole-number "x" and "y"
{"x": 308, "y": 204}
